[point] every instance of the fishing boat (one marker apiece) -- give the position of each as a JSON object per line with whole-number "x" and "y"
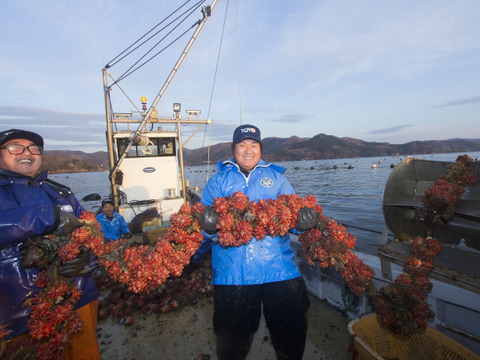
{"x": 146, "y": 172}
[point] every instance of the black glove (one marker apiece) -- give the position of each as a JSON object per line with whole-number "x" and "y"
{"x": 306, "y": 219}
{"x": 56, "y": 211}
{"x": 208, "y": 221}
{"x": 76, "y": 267}
{"x": 68, "y": 222}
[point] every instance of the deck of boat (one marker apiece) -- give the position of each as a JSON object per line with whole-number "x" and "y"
{"x": 188, "y": 334}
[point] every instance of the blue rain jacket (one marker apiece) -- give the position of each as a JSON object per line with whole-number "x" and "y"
{"x": 260, "y": 261}
{"x": 27, "y": 209}
{"x": 114, "y": 229}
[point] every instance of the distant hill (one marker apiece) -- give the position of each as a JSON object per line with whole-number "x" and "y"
{"x": 275, "y": 149}
{"x": 65, "y": 161}
{"x": 323, "y": 146}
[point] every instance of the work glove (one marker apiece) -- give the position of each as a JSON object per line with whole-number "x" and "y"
{"x": 306, "y": 219}
{"x": 67, "y": 223}
{"x": 77, "y": 267}
{"x": 208, "y": 221}
{"x": 56, "y": 211}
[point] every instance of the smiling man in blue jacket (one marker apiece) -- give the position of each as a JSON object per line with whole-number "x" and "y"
{"x": 30, "y": 205}
{"x": 262, "y": 274}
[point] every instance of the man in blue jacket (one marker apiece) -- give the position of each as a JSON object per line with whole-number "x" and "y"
{"x": 30, "y": 205}
{"x": 262, "y": 274}
{"x": 113, "y": 224}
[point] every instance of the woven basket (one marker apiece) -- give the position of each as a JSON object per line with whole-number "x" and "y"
{"x": 374, "y": 342}
{"x": 150, "y": 237}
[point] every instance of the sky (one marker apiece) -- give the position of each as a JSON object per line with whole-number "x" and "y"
{"x": 377, "y": 70}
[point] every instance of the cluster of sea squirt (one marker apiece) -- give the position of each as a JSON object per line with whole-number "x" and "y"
{"x": 119, "y": 303}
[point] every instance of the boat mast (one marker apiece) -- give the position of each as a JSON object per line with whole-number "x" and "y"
{"x": 206, "y": 11}
{"x": 111, "y": 159}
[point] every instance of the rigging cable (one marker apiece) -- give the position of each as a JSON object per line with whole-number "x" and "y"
{"x": 213, "y": 88}
{"x": 113, "y": 62}
{"x": 238, "y": 62}
{"x": 210, "y": 103}
{"x": 124, "y": 93}
{"x": 129, "y": 71}
{"x": 218, "y": 60}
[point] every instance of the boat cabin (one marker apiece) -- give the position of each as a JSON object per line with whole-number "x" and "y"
{"x": 148, "y": 176}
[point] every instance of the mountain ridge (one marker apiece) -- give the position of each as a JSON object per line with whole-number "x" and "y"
{"x": 322, "y": 146}
{"x": 294, "y": 148}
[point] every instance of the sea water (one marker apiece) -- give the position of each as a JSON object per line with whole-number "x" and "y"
{"x": 349, "y": 190}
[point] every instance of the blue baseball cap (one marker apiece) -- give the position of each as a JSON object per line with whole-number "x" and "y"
{"x": 246, "y": 132}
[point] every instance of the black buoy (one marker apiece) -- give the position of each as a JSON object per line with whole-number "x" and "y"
{"x": 350, "y": 166}
{"x": 92, "y": 197}
{"x": 335, "y": 166}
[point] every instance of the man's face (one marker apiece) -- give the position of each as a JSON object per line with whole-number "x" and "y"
{"x": 247, "y": 153}
{"x": 26, "y": 163}
{"x": 107, "y": 209}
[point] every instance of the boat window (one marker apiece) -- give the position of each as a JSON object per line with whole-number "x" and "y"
{"x": 156, "y": 147}
{"x": 166, "y": 146}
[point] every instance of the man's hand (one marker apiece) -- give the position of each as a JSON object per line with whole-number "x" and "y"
{"x": 208, "y": 221}
{"x": 306, "y": 219}
{"x": 68, "y": 222}
{"x": 76, "y": 267}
